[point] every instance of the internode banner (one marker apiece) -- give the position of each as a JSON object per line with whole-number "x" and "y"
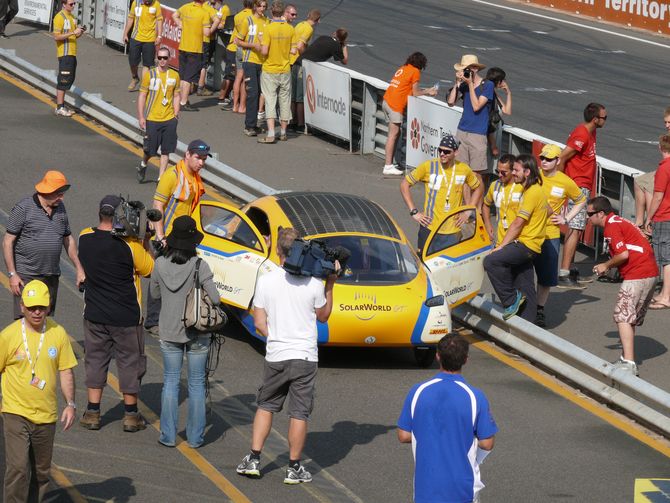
{"x": 650, "y": 15}
{"x": 38, "y": 11}
{"x": 427, "y": 122}
{"x": 171, "y": 36}
{"x": 327, "y": 99}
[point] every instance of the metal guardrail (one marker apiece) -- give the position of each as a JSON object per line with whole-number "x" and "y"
{"x": 612, "y": 385}
{"x": 228, "y": 179}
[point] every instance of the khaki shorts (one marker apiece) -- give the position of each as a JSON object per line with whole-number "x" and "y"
{"x": 472, "y": 150}
{"x": 392, "y": 115}
{"x": 633, "y": 299}
{"x": 646, "y": 182}
{"x": 276, "y": 88}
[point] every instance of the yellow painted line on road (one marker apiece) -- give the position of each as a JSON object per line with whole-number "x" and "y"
{"x": 62, "y": 481}
{"x": 197, "y": 459}
{"x": 83, "y": 120}
{"x": 598, "y": 410}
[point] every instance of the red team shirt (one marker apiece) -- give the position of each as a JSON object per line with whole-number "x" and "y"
{"x": 624, "y": 236}
{"x": 662, "y": 184}
{"x": 582, "y": 166}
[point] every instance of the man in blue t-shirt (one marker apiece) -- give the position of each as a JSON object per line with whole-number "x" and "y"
{"x": 478, "y": 94}
{"x": 451, "y": 430}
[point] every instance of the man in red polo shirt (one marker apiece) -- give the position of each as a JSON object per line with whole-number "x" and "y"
{"x": 578, "y": 161}
{"x": 658, "y": 222}
{"x": 631, "y": 253}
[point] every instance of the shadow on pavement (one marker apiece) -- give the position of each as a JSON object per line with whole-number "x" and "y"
{"x": 114, "y": 490}
{"x": 646, "y": 348}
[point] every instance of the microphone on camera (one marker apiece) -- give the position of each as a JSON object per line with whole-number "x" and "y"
{"x": 154, "y": 215}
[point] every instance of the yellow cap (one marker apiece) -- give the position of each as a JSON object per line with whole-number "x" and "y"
{"x": 35, "y": 293}
{"x": 550, "y": 151}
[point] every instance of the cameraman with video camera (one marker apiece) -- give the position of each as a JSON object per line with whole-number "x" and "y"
{"x": 286, "y": 308}
{"x": 114, "y": 258}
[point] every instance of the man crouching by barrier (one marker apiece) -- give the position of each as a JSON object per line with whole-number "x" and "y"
{"x": 114, "y": 255}
{"x": 286, "y": 308}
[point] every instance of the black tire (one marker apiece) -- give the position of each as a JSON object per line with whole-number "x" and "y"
{"x": 424, "y": 355}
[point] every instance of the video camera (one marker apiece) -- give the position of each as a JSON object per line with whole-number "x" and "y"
{"x": 131, "y": 219}
{"x": 314, "y": 258}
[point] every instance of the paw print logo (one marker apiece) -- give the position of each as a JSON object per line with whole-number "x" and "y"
{"x": 414, "y": 134}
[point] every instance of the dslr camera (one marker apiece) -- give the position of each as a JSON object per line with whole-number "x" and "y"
{"x": 314, "y": 258}
{"x": 466, "y": 73}
{"x": 131, "y": 219}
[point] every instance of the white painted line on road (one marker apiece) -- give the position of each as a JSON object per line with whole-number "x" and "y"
{"x": 434, "y": 27}
{"x": 484, "y": 28}
{"x": 605, "y": 51}
{"x": 572, "y": 23}
{"x": 360, "y": 45}
{"x": 541, "y": 32}
{"x": 560, "y": 91}
{"x": 650, "y": 142}
{"x": 481, "y": 48}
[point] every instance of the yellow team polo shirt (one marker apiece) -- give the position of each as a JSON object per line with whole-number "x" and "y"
{"x": 40, "y": 406}
{"x": 194, "y": 19}
{"x": 280, "y": 37}
{"x": 64, "y": 23}
{"x": 212, "y": 13}
{"x": 240, "y": 17}
{"x": 252, "y": 32}
{"x": 159, "y": 85}
{"x": 180, "y": 195}
{"x": 303, "y": 33}
{"x": 506, "y": 199}
{"x": 558, "y": 189}
{"x": 144, "y": 20}
{"x": 533, "y": 210}
{"x": 444, "y": 187}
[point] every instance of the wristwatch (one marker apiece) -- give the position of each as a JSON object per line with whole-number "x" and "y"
{"x": 72, "y": 404}
{"x": 413, "y": 212}
{"x": 10, "y": 273}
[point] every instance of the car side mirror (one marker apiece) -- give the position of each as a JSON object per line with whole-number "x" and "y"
{"x": 437, "y": 300}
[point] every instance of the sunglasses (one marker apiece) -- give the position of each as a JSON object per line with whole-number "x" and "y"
{"x": 444, "y": 151}
{"x": 547, "y": 159}
{"x": 163, "y": 57}
{"x": 603, "y": 118}
{"x": 34, "y": 309}
{"x": 70, "y": 4}
{"x": 591, "y": 213}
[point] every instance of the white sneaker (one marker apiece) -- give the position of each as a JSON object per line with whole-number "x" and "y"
{"x": 392, "y": 170}
{"x": 260, "y": 116}
{"x": 64, "y": 112}
{"x": 628, "y": 365}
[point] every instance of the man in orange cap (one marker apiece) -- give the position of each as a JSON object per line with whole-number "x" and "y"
{"x": 37, "y": 230}
{"x": 34, "y": 353}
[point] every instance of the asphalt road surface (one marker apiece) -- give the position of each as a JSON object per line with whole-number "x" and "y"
{"x": 554, "y": 69}
{"x": 553, "y": 444}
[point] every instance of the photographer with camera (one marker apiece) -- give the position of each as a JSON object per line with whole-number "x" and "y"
{"x": 114, "y": 261}
{"x": 473, "y": 127}
{"x": 286, "y": 308}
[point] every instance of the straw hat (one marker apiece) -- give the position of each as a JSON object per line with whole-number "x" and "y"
{"x": 469, "y": 60}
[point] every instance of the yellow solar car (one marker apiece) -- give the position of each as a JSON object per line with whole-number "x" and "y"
{"x": 386, "y": 295}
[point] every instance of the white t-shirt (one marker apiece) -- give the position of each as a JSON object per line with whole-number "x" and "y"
{"x": 290, "y": 302}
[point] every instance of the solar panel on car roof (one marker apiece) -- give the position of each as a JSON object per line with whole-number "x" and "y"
{"x": 324, "y": 212}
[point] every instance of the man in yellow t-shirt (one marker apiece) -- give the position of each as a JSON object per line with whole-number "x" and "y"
{"x": 303, "y": 32}
{"x": 234, "y": 70}
{"x": 279, "y": 43}
{"x": 145, "y": 18}
{"x": 249, "y": 38}
{"x": 178, "y": 193}
{"x": 444, "y": 179}
{"x": 505, "y": 195}
{"x": 66, "y": 32}
{"x": 510, "y": 265}
{"x": 195, "y": 23}
{"x": 34, "y": 352}
{"x": 558, "y": 189}
{"x": 218, "y": 18}
{"x": 157, "y": 112}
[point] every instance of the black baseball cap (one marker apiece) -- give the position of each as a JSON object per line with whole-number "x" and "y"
{"x": 199, "y": 147}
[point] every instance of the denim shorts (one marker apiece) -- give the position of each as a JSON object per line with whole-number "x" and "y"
{"x": 546, "y": 263}
{"x": 292, "y": 378}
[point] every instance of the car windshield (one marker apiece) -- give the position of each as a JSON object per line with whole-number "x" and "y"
{"x": 374, "y": 260}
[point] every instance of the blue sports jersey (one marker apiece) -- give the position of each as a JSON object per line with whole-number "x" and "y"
{"x": 446, "y": 416}
{"x": 471, "y": 121}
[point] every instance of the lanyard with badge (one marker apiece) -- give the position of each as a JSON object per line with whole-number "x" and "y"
{"x": 164, "y": 88}
{"x": 34, "y": 380}
{"x": 503, "y": 209}
{"x": 447, "y": 205}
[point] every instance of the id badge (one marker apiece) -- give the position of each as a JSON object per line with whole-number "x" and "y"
{"x": 164, "y": 102}
{"x": 504, "y": 223}
{"x": 37, "y": 382}
{"x": 447, "y": 207}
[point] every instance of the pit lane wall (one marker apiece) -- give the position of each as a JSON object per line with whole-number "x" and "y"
{"x": 652, "y": 15}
